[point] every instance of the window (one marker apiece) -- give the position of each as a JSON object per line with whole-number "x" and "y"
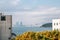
{"x": 3, "y": 18}
{"x": 54, "y": 23}
{"x": 9, "y": 38}
{"x": 10, "y": 28}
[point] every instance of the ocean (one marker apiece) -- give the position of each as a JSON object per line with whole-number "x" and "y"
{"x": 20, "y": 30}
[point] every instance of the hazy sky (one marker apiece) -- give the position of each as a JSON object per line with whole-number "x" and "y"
{"x": 31, "y": 12}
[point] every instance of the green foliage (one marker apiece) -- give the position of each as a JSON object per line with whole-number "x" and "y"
{"x": 45, "y": 35}
{"x": 13, "y": 39}
{"x": 47, "y": 25}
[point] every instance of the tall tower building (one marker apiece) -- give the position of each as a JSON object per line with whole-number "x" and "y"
{"x": 21, "y": 24}
{"x": 5, "y": 27}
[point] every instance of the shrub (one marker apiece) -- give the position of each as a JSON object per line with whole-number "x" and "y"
{"x": 45, "y": 35}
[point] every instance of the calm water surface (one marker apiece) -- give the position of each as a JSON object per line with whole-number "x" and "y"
{"x": 20, "y": 30}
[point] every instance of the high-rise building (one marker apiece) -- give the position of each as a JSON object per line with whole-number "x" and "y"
{"x": 5, "y": 27}
{"x": 21, "y": 24}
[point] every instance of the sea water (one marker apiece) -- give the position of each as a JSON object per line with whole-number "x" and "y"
{"x": 20, "y": 30}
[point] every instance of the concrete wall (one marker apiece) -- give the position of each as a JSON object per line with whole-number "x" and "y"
{"x": 5, "y": 27}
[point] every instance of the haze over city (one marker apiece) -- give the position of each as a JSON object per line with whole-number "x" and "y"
{"x": 31, "y": 12}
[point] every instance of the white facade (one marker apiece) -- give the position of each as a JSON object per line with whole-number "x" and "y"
{"x": 56, "y": 24}
{"x": 5, "y": 27}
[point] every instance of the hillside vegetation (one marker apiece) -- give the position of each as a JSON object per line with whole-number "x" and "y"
{"x": 47, "y": 25}
{"x": 45, "y": 35}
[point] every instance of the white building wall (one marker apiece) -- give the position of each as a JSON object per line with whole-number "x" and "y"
{"x": 56, "y": 24}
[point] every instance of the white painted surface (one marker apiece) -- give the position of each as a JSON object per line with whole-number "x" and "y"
{"x": 56, "y": 24}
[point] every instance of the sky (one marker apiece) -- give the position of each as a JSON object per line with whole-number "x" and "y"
{"x": 31, "y": 12}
